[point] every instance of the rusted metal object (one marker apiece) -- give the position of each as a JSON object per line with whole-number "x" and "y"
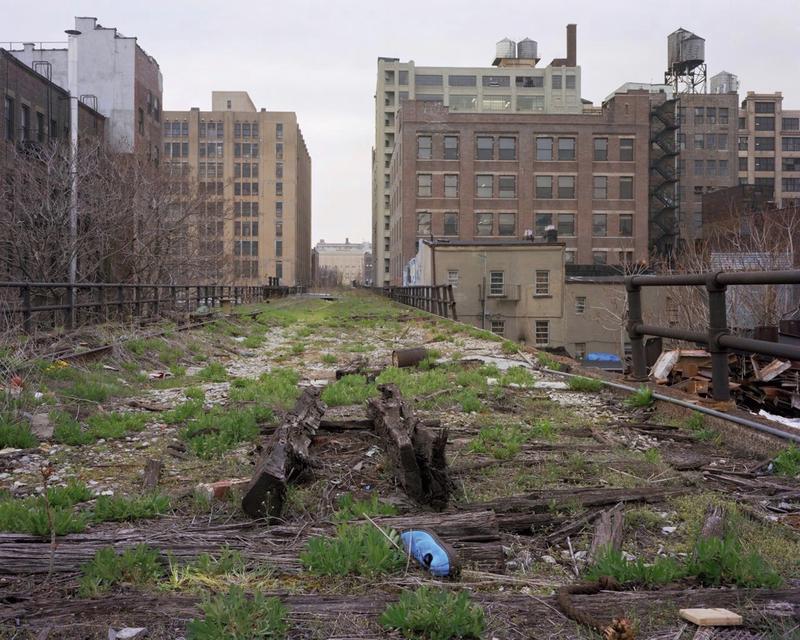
{"x": 409, "y": 357}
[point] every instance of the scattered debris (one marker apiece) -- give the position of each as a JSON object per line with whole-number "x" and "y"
{"x": 711, "y": 617}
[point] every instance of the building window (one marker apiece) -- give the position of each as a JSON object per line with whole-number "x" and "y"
{"x": 790, "y": 144}
{"x": 498, "y": 327}
{"x": 530, "y": 103}
{"x": 483, "y": 186}
{"x": 542, "y": 331}
{"x": 791, "y": 164}
{"x": 483, "y": 224}
{"x": 765, "y": 164}
{"x": 544, "y": 187}
{"x": 566, "y": 148}
{"x": 600, "y": 188}
{"x": 507, "y": 148}
{"x": 424, "y": 185}
{"x": 743, "y": 164}
{"x": 626, "y": 149}
{"x": 698, "y": 167}
{"x": 141, "y": 121}
{"x": 484, "y": 149}
{"x": 791, "y": 185}
{"x": 451, "y": 147}
{"x": 450, "y": 226}
{"x": 8, "y": 113}
{"x": 765, "y": 144}
{"x": 699, "y": 141}
{"x": 699, "y": 115}
{"x": 497, "y": 285}
{"x": 463, "y": 103}
{"x": 544, "y": 148}
{"x": 278, "y": 209}
{"x": 569, "y": 256}
{"x": 452, "y": 277}
{"x": 711, "y": 167}
{"x": 722, "y": 141}
{"x": 601, "y": 149}
{"x": 599, "y": 257}
{"x": 626, "y": 188}
{"x": 279, "y": 131}
{"x": 496, "y": 103}
{"x": 541, "y": 222}
{"x": 278, "y": 188}
{"x": 423, "y": 223}
{"x": 507, "y": 186}
{"x": 580, "y": 350}
{"x": 790, "y": 124}
{"x": 461, "y": 81}
{"x": 580, "y": 304}
{"x": 529, "y": 82}
{"x": 765, "y": 107}
{"x": 507, "y": 224}
{"x": 451, "y": 185}
{"x": 570, "y": 81}
{"x": 402, "y": 77}
{"x": 723, "y": 115}
{"x": 424, "y": 148}
{"x": 566, "y": 224}
{"x": 542, "y": 283}
{"x": 626, "y": 225}
{"x": 39, "y": 126}
{"x": 25, "y": 122}
{"x": 279, "y": 151}
{"x": 278, "y": 170}
{"x": 599, "y": 225}
{"x": 428, "y": 80}
{"x": 566, "y": 187}
{"x": 556, "y": 82}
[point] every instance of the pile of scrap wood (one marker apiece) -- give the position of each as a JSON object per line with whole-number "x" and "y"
{"x": 756, "y": 382}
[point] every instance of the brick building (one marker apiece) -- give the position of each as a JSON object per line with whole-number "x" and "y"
{"x": 115, "y": 76}
{"x": 254, "y": 172}
{"x": 466, "y": 176}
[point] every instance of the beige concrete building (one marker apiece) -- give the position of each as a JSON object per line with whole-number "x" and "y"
{"x": 254, "y": 172}
{"x": 345, "y": 258}
{"x": 769, "y": 147}
{"x": 514, "y": 84}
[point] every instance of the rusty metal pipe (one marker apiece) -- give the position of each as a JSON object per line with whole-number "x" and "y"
{"x": 409, "y": 357}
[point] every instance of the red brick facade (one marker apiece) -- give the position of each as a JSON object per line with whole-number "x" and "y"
{"x": 621, "y": 235}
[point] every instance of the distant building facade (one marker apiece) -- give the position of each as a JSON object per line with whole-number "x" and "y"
{"x": 115, "y": 76}
{"x": 478, "y": 176}
{"x": 254, "y": 171}
{"x": 347, "y": 259}
{"x": 514, "y": 84}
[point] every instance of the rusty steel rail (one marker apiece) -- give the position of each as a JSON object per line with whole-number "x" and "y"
{"x": 96, "y": 302}
{"x": 437, "y": 299}
{"x": 717, "y": 336}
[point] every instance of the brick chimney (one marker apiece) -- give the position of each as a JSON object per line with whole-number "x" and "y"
{"x": 572, "y": 45}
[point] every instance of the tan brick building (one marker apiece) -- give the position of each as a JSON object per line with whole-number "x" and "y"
{"x": 769, "y": 147}
{"x": 254, "y": 170}
{"x": 481, "y": 176}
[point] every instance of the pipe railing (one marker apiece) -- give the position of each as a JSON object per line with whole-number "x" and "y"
{"x": 717, "y": 336}
{"x": 437, "y": 299}
{"x": 39, "y": 304}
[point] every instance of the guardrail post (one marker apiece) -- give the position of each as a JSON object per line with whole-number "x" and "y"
{"x": 157, "y": 298}
{"x": 69, "y": 312}
{"x": 26, "y": 309}
{"x": 638, "y": 358}
{"x": 718, "y": 326}
{"x": 137, "y": 307}
{"x": 101, "y": 303}
{"x": 120, "y": 302}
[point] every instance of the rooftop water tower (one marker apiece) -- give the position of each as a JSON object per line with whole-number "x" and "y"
{"x": 686, "y": 62}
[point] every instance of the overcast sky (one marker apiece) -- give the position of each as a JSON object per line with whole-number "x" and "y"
{"x": 318, "y": 58}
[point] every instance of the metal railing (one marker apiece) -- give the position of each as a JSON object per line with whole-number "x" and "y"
{"x": 717, "y": 336}
{"x": 438, "y": 299}
{"x": 40, "y": 304}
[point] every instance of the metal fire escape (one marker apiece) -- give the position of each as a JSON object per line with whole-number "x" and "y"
{"x": 664, "y": 150}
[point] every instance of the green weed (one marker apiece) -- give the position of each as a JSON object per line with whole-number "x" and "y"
{"x": 508, "y": 347}
{"x": 469, "y": 401}
{"x": 213, "y": 372}
{"x": 351, "y": 509}
{"x": 643, "y": 397}
{"x": 297, "y": 348}
{"x": 548, "y": 362}
{"x": 696, "y": 424}
{"x": 354, "y": 550}
{"x": 328, "y": 358}
{"x": 352, "y": 389}
{"x": 434, "y": 614}
{"x": 192, "y": 408}
{"x": 115, "y": 425}
{"x": 16, "y": 434}
{"x": 235, "y": 616}
{"x": 123, "y": 509}
{"x": 787, "y": 462}
{"x": 276, "y": 388}
{"x": 219, "y": 430}
{"x": 139, "y": 565}
{"x": 612, "y": 563}
{"x": 253, "y": 342}
{"x": 579, "y": 383}
{"x": 517, "y": 375}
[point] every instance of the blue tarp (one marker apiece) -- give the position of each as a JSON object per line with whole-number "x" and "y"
{"x": 598, "y": 356}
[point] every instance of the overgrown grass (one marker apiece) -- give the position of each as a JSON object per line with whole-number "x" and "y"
{"x": 16, "y": 433}
{"x": 235, "y": 616}
{"x": 213, "y": 372}
{"x": 216, "y": 431}
{"x": 328, "y": 358}
{"x": 125, "y": 509}
{"x": 30, "y": 515}
{"x": 612, "y": 563}
{"x": 587, "y": 385}
{"x": 502, "y": 442}
{"x": 787, "y": 462}
{"x": 192, "y": 408}
{"x": 352, "y": 389}
{"x": 348, "y": 508}
{"x": 509, "y": 348}
{"x": 434, "y": 614}
{"x": 642, "y": 397}
{"x": 517, "y": 375}
{"x": 115, "y": 425}
{"x": 696, "y": 424}
{"x": 354, "y": 550}
{"x": 140, "y": 565}
{"x": 469, "y": 401}
{"x": 276, "y": 388}
{"x": 253, "y": 342}
{"x": 548, "y": 362}
{"x": 415, "y": 382}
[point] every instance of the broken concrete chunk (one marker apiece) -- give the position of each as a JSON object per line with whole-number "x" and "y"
{"x": 127, "y": 633}
{"x": 711, "y": 617}
{"x": 222, "y": 488}
{"x": 41, "y": 426}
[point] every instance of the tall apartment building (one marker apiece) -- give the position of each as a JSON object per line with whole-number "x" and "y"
{"x": 480, "y": 176}
{"x": 254, "y": 171}
{"x": 115, "y": 76}
{"x": 769, "y": 147}
{"x": 514, "y": 84}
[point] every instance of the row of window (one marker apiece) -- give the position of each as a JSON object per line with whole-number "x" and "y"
{"x": 711, "y": 168}
{"x": 707, "y": 115}
{"x": 216, "y": 129}
{"x": 245, "y": 188}
{"x": 245, "y": 129}
{"x": 788, "y": 143}
{"x": 245, "y": 170}
{"x": 541, "y": 330}
{"x": 26, "y": 129}
{"x": 437, "y": 80}
{"x": 175, "y": 129}
{"x": 505, "y": 224}
{"x": 505, "y": 148}
{"x": 245, "y": 228}
{"x": 708, "y": 141}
